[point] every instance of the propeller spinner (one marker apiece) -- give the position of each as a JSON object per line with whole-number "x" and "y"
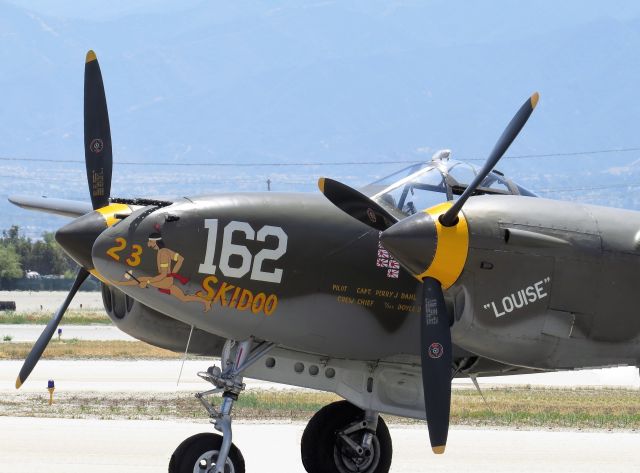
{"x": 432, "y": 245}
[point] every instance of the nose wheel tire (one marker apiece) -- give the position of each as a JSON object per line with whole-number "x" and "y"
{"x": 198, "y": 454}
{"x": 324, "y": 451}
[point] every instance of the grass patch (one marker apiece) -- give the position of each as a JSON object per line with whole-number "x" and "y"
{"x": 285, "y": 405}
{"x": 273, "y": 405}
{"x": 88, "y": 349}
{"x": 506, "y": 407}
{"x": 73, "y": 317}
{"x": 586, "y": 408}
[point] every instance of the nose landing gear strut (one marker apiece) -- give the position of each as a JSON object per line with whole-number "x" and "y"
{"x": 212, "y": 453}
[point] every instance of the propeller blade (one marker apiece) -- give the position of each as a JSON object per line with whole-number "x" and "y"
{"x": 436, "y": 355}
{"x": 356, "y": 204}
{"x": 97, "y": 134}
{"x": 45, "y": 336}
{"x": 514, "y": 127}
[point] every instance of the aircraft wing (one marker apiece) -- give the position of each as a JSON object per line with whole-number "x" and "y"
{"x": 64, "y": 207}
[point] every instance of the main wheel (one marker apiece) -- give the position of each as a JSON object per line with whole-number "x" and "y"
{"x": 324, "y": 451}
{"x": 198, "y": 454}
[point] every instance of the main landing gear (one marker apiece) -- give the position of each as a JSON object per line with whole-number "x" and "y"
{"x": 339, "y": 438}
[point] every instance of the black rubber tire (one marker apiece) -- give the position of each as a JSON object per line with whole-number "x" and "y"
{"x": 185, "y": 456}
{"x": 319, "y": 438}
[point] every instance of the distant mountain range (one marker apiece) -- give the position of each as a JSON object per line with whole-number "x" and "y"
{"x": 322, "y": 82}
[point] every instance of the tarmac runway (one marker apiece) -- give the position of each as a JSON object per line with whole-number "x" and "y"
{"x": 114, "y": 376}
{"x": 50, "y": 300}
{"x": 30, "y": 333}
{"x": 162, "y": 376}
{"x": 74, "y": 446}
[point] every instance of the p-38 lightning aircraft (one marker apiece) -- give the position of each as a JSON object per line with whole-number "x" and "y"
{"x": 382, "y": 295}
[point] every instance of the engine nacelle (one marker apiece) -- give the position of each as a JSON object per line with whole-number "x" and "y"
{"x": 155, "y": 328}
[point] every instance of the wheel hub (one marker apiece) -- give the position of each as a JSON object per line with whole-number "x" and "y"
{"x": 206, "y": 463}
{"x": 349, "y": 461}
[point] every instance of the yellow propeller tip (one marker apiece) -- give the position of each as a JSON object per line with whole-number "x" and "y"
{"x": 91, "y": 56}
{"x": 534, "y": 99}
{"x": 439, "y": 450}
{"x": 18, "y": 383}
{"x": 321, "y": 184}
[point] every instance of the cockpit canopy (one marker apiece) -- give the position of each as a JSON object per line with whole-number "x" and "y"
{"x": 424, "y": 185}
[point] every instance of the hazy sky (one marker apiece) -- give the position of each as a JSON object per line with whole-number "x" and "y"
{"x": 534, "y": 14}
{"x": 362, "y": 81}
{"x": 97, "y": 9}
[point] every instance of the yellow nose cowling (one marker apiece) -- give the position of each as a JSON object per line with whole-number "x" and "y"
{"x": 451, "y": 250}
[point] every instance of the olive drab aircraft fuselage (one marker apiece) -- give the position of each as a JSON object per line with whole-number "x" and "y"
{"x": 381, "y": 295}
{"x": 553, "y": 290}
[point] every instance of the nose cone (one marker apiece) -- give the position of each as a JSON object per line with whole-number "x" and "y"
{"x": 412, "y": 241}
{"x": 77, "y": 237}
{"x": 121, "y": 250}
